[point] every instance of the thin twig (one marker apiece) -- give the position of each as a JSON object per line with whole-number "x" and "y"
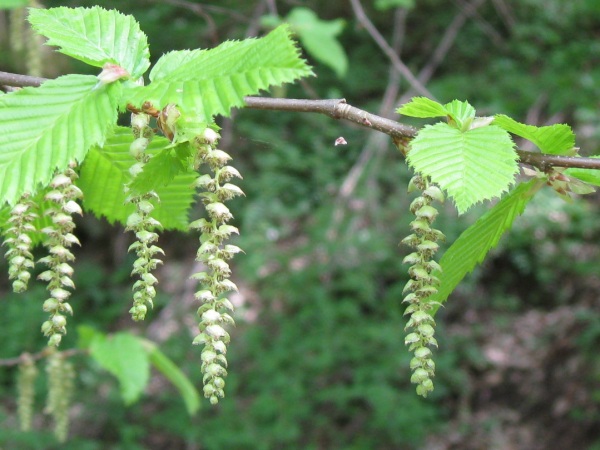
{"x": 389, "y": 51}
{"x": 340, "y": 110}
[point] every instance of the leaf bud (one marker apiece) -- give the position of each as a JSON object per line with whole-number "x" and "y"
{"x": 112, "y": 72}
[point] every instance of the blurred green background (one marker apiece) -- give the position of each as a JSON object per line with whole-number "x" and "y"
{"x": 317, "y": 359}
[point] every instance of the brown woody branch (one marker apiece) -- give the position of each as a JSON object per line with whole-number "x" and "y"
{"x": 338, "y": 109}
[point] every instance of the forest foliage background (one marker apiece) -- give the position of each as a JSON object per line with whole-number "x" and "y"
{"x": 317, "y": 358}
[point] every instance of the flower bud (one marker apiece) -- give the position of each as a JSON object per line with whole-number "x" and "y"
{"x": 138, "y": 147}
{"x": 211, "y": 316}
{"x": 215, "y": 331}
{"x": 219, "y": 211}
{"x": 422, "y": 353}
{"x": 50, "y": 305}
{"x": 59, "y": 321}
{"x": 72, "y": 207}
{"x": 54, "y": 340}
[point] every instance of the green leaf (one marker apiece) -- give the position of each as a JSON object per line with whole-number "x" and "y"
{"x": 461, "y": 112}
{"x": 86, "y": 335}
{"x": 382, "y": 5}
{"x": 164, "y": 365}
{"x": 162, "y": 168}
{"x": 476, "y": 241}
{"x": 123, "y": 355}
{"x": 556, "y": 139}
{"x": 106, "y": 170}
{"x": 45, "y": 128}
{"x": 591, "y": 176}
{"x": 318, "y": 37}
{"x": 423, "y": 107}
{"x": 95, "y": 36}
{"x": 211, "y": 82}
{"x": 470, "y": 166}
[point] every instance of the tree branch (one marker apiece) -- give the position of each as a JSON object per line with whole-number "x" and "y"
{"x": 359, "y": 12}
{"x": 338, "y": 109}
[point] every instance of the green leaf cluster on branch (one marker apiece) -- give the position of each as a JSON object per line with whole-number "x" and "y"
{"x": 473, "y": 159}
{"x": 60, "y": 140}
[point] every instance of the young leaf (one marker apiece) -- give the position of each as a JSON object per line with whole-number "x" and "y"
{"x": 123, "y": 355}
{"x": 211, "y": 82}
{"x": 48, "y": 127}
{"x": 470, "y": 166}
{"x": 591, "y": 176}
{"x": 422, "y": 107}
{"x": 476, "y": 241}
{"x": 95, "y": 36}
{"x": 318, "y": 37}
{"x": 461, "y": 112}
{"x": 556, "y": 139}
{"x": 164, "y": 365}
{"x": 105, "y": 171}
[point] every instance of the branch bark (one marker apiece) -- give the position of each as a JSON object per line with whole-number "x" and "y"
{"x": 340, "y": 110}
